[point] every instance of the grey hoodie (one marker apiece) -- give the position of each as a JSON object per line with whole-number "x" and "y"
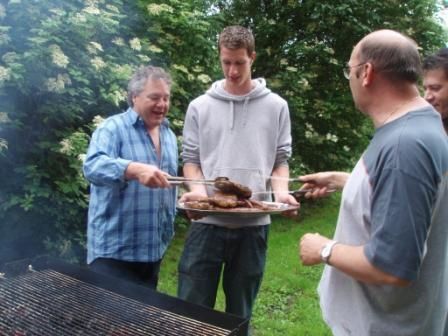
{"x": 240, "y": 137}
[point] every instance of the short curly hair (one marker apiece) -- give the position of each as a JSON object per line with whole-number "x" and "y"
{"x": 141, "y": 76}
{"x": 236, "y": 37}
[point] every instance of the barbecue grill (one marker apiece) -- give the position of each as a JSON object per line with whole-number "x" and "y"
{"x": 46, "y": 296}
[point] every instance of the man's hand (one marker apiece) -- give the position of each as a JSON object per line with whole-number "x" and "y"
{"x": 148, "y": 175}
{"x": 310, "y": 246}
{"x": 287, "y": 199}
{"x": 193, "y": 196}
{"x": 321, "y": 183}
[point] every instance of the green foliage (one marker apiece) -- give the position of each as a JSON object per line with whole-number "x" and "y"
{"x": 302, "y": 47}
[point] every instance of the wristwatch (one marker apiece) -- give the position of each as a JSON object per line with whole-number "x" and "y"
{"x": 325, "y": 253}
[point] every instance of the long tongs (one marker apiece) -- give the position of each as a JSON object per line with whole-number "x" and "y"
{"x": 178, "y": 180}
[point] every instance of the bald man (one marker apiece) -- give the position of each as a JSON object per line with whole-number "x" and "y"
{"x": 435, "y": 82}
{"x": 386, "y": 266}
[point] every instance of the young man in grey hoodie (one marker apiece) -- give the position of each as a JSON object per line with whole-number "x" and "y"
{"x": 241, "y": 130}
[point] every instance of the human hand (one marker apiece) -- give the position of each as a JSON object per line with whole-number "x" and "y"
{"x": 287, "y": 199}
{"x": 151, "y": 176}
{"x": 193, "y": 196}
{"x": 309, "y": 248}
{"x": 321, "y": 184}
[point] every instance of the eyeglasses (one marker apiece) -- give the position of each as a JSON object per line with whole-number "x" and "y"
{"x": 347, "y": 69}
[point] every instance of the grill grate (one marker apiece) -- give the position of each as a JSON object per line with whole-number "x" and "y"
{"x": 51, "y": 303}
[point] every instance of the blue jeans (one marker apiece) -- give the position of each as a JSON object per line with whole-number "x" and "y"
{"x": 239, "y": 253}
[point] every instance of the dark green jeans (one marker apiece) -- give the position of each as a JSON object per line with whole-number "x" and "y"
{"x": 239, "y": 253}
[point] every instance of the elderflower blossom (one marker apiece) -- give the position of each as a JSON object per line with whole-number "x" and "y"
{"x": 97, "y": 63}
{"x": 97, "y": 120}
{"x": 155, "y": 49}
{"x": 66, "y": 146}
{"x": 119, "y": 41}
{"x": 4, "y": 118}
{"x": 135, "y": 44}
{"x": 118, "y": 97}
{"x": 144, "y": 58}
{"x": 10, "y": 57}
{"x": 92, "y": 10}
{"x": 82, "y": 157}
{"x": 332, "y": 137}
{"x": 204, "y": 78}
{"x": 58, "y": 57}
{"x": 3, "y": 144}
{"x": 5, "y": 74}
{"x": 94, "y": 47}
{"x": 113, "y": 9}
{"x": 57, "y": 85}
{"x": 155, "y": 9}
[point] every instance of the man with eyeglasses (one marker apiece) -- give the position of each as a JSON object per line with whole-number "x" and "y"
{"x": 387, "y": 264}
{"x": 435, "y": 82}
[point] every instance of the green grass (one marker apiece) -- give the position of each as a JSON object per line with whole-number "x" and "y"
{"x": 287, "y": 303}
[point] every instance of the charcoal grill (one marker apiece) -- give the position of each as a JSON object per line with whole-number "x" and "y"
{"x": 46, "y": 296}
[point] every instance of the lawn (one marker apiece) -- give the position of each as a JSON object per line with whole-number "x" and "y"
{"x": 287, "y": 303}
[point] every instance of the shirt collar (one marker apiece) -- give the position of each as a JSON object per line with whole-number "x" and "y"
{"x": 134, "y": 118}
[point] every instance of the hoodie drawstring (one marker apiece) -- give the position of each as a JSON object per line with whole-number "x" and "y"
{"x": 232, "y": 114}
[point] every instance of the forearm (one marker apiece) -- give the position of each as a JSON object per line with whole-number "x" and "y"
{"x": 352, "y": 261}
{"x": 194, "y": 171}
{"x": 282, "y": 184}
{"x": 134, "y": 170}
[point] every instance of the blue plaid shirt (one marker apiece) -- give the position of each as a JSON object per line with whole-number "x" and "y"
{"x": 128, "y": 221}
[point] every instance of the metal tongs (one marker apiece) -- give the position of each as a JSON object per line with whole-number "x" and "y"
{"x": 178, "y": 180}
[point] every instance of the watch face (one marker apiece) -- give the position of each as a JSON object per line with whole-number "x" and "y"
{"x": 326, "y": 252}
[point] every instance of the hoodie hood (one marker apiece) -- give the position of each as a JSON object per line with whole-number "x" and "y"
{"x": 217, "y": 91}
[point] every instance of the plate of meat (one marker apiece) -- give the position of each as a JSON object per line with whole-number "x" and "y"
{"x": 232, "y": 199}
{"x": 218, "y": 206}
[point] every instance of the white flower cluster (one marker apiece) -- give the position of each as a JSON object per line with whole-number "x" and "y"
{"x": 10, "y": 57}
{"x": 82, "y": 157}
{"x": 57, "y": 84}
{"x": 92, "y": 10}
{"x": 118, "y": 97}
{"x": 331, "y": 137}
{"x": 4, "y": 118}
{"x": 66, "y": 146}
{"x": 135, "y": 44}
{"x": 309, "y": 133}
{"x": 204, "y": 78}
{"x": 94, "y": 47}
{"x": 155, "y": 49}
{"x": 155, "y": 9}
{"x": 58, "y": 57}
{"x": 98, "y": 63}
{"x": 3, "y": 144}
{"x": 97, "y": 120}
{"x": 119, "y": 41}
{"x": 5, "y": 74}
{"x": 144, "y": 58}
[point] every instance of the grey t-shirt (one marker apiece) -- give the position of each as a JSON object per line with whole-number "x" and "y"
{"x": 395, "y": 203}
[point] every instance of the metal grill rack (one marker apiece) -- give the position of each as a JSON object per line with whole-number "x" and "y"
{"x": 48, "y": 302}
